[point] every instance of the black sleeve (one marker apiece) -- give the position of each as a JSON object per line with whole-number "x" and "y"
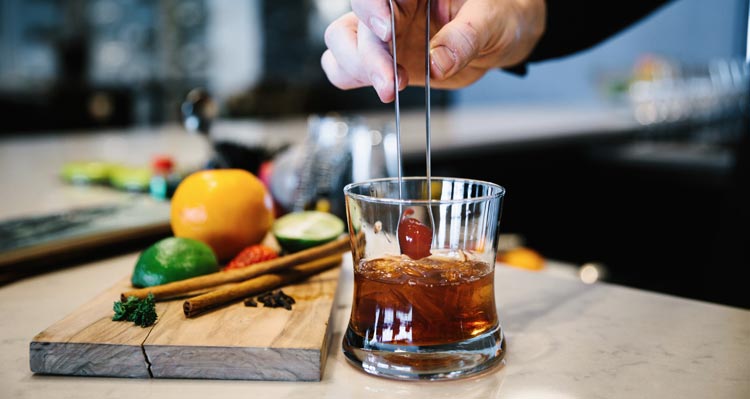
{"x": 576, "y": 25}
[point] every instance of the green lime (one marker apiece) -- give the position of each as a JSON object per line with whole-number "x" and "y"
{"x": 299, "y": 230}
{"x": 130, "y": 178}
{"x": 86, "y": 172}
{"x": 173, "y": 259}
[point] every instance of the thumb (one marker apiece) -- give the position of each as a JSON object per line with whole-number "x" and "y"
{"x": 460, "y": 41}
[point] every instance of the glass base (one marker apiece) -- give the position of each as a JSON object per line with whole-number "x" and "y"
{"x": 434, "y": 362}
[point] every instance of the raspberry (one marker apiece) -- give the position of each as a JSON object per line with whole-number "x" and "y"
{"x": 252, "y": 255}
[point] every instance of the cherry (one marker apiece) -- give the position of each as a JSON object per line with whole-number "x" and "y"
{"x": 414, "y": 238}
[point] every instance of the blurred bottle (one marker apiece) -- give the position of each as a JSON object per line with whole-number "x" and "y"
{"x": 337, "y": 151}
{"x": 164, "y": 180}
{"x": 198, "y": 112}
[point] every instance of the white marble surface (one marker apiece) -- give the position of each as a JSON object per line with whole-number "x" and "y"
{"x": 565, "y": 340}
{"x": 31, "y": 165}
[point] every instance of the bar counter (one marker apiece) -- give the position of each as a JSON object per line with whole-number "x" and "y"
{"x": 566, "y": 340}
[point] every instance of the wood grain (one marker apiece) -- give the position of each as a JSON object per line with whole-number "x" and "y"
{"x": 232, "y": 342}
{"x": 88, "y": 342}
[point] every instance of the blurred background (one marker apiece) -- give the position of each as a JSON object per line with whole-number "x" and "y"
{"x": 129, "y": 62}
{"x": 637, "y": 170}
{"x": 123, "y": 63}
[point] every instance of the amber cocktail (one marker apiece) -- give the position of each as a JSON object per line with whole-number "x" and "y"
{"x": 424, "y": 302}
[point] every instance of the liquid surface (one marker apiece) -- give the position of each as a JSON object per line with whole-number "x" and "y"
{"x": 431, "y": 301}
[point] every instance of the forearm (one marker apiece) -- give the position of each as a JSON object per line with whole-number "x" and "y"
{"x": 576, "y": 25}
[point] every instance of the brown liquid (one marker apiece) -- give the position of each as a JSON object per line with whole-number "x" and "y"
{"x": 430, "y": 301}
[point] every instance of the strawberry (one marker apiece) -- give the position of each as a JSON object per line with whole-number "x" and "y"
{"x": 251, "y": 255}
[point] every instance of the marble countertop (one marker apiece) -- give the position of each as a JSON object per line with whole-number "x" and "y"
{"x": 565, "y": 340}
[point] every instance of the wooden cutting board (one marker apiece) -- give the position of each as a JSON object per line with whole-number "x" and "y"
{"x": 232, "y": 342}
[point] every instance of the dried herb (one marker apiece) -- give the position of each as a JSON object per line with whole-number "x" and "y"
{"x": 272, "y": 299}
{"x": 142, "y": 312}
{"x": 251, "y": 302}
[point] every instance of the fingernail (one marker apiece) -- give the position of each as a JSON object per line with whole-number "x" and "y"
{"x": 379, "y": 27}
{"x": 443, "y": 58}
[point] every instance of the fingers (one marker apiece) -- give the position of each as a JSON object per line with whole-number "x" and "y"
{"x": 468, "y": 75}
{"x": 356, "y": 57}
{"x": 341, "y": 62}
{"x": 378, "y": 63}
{"x": 337, "y": 75}
{"x": 460, "y": 41}
{"x": 376, "y": 14}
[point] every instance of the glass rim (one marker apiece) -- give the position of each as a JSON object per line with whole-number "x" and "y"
{"x": 397, "y": 201}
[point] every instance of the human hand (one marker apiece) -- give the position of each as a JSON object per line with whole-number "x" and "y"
{"x": 469, "y": 37}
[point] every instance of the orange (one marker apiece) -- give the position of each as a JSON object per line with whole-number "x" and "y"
{"x": 228, "y": 209}
{"x": 523, "y": 258}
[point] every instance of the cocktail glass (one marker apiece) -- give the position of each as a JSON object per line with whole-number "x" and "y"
{"x": 431, "y": 315}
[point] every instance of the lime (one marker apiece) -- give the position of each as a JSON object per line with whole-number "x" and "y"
{"x": 130, "y": 178}
{"x": 173, "y": 259}
{"x": 299, "y": 230}
{"x": 86, "y": 172}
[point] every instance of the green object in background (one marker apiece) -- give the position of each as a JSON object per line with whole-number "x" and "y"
{"x": 300, "y": 230}
{"x": 173, "y": 259}
{"x": 118, "y": 176}
{"x": 130, "y": 179}
{"x": 86, "y": 172}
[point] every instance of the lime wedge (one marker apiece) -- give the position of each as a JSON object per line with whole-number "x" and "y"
{"x": 300, "y": 230}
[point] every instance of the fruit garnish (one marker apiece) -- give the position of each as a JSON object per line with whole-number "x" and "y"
{"x": 228, "y": 209}
{"x": 173, "y": 259}
{"x": 300, "y": 230}
{"x": 87, "y": 172}
{"x": 523, "y": 258}
{"x": 252, "y": 255}
{"x": 130, "y": 178}
{"x": 414, "y": 238}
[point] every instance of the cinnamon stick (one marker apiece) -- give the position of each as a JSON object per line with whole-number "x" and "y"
{"x": 183, "y": 287}
{"x": 266, "y": 282}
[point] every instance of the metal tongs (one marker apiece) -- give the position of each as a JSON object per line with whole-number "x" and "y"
{"x": 428, "y": 151}
{"x": 430, "y": 220}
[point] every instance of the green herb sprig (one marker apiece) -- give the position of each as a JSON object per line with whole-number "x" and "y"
{"x": 142, "y": 312}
